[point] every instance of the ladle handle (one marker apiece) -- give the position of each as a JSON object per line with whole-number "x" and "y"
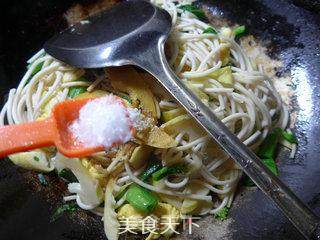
{"x": 296, "y": 211}
{"x": 27, "y": 136}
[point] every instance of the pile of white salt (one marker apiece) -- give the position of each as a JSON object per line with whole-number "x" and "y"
{"x": 104, "y": 121}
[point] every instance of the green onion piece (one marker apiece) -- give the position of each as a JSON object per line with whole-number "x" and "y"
{"x": 271, "y": 164}
{"x": 222, "y": 214}
{"x": 152, "y": 168}
{"x": 67, "y": 175}
{"x": 30, "y": 64}
{"x": 239, "y": 30}
{"x": 141, "y": 199}
{"x": 289, "y": 137}
{"x": 36, "y": 158}
{"x": 269, "y": 145}
{"x": 158, "y": 175}
{"x": 194, "y": 10}
{"x": 35, "y": 70}
{"x": 74, "y": 91}
{"x": 42, "y": 179}
{"x": 64, "y": 208}
{"x": 174, "y": 169}
{"x": 210, "y": 30}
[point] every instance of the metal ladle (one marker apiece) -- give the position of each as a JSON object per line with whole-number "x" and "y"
{"x": 134, "y": 33}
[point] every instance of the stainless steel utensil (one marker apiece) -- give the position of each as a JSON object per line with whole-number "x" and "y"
{"x": 134, "y": 33}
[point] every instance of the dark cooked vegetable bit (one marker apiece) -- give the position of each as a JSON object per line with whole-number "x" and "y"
{"x": 222, "y": 214}
{"x": 248, "y": 182}
{"x": 121, "y": 193}
{"x": 194, "y": 10}
{"x": 152, "y": 168}
{"x": 64, "y": 208}
{"x": 165, "y": 171}
{"x": 269, "y": 145}
{"x": 36, "y": 158}
{"x": 239, "y": 30}
{"x": 42, "y": 179}
{"x": 141, "y": 198}
{"x": 209, "y": 30}
{"x": 67, "y": 175}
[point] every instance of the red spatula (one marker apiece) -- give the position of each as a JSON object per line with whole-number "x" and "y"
{"x": 50, "y": 132}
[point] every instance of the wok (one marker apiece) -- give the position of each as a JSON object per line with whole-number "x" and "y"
{"x": 290, "y": 31}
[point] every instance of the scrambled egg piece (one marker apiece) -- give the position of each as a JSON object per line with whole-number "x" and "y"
{"x": 127, "y": 79}
{"x": 140, "y": 156}
{"x": 33, "y": 160}
{"x": 94, "y": 172}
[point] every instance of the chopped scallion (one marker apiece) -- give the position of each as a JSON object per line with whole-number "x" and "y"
{"x": 239, "y": 30}
{"x": 289, "y": 137}
{"x": 194, "y": 10}
{"x": 267, "y": 151}
{"x": 152, "y": 168}
{"x": 269, "y": 145}
{"x": 271, "y": 164}
{"x": 36, "y": 158}
{"x": 35, "y": 70}
{"x": 158, "y": 175}
{"x": 141, "y": 198}
{"x": 210, "y": 30}
{"x": 165, "y": 171}
{"x": 75, "y": 91}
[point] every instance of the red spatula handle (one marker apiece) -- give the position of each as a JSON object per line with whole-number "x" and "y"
{"x": 28, "y": 136}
